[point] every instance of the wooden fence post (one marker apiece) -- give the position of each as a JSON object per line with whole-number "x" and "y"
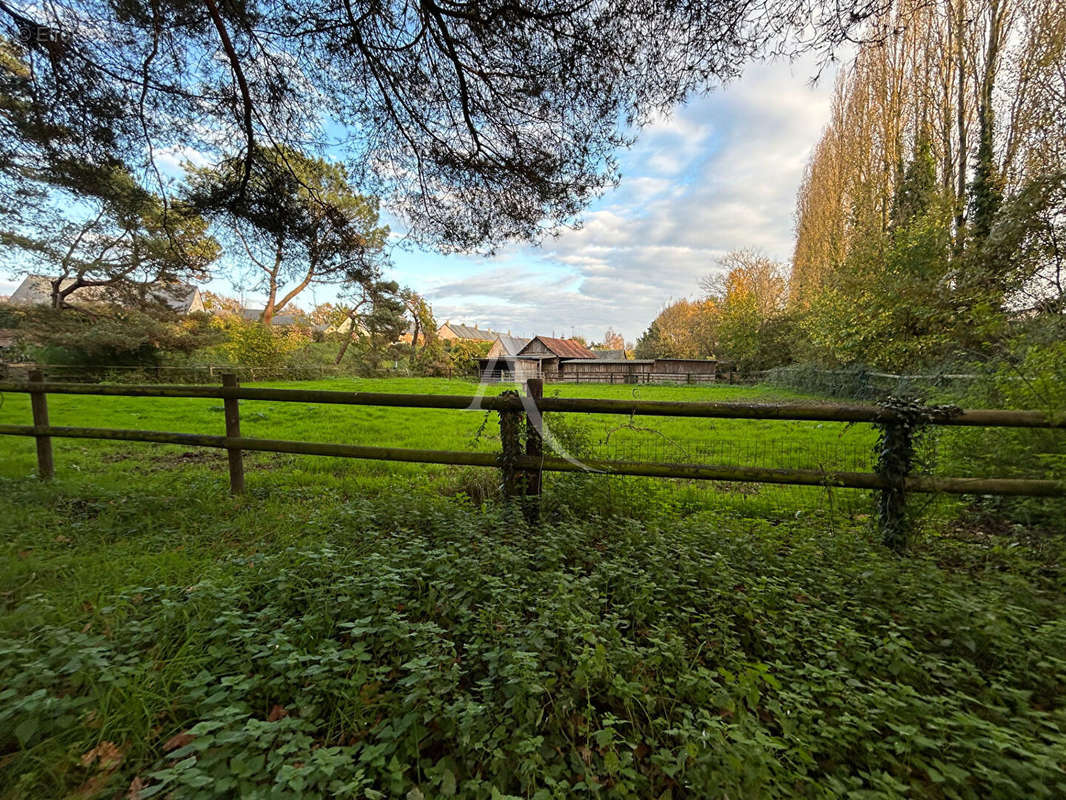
{"x": 233, "y": 431}
{"x": 534, "y": 449}
{"x": 511, "y": 447}
{"x": 39, "y": 403}
{"x": 893, "y": 464}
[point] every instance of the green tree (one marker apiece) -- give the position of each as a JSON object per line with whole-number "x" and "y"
{"x": 105, "y": 233}
{"x": 371, "y": 313}
{"x": 299, "y": 222}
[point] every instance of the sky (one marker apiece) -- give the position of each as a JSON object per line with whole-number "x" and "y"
{"x": 719, "y": 174}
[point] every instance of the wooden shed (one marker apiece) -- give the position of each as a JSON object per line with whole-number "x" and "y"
{"x": 551, "y": 354}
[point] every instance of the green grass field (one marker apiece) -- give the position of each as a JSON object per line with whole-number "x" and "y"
{"x": 368, "y": 630}
{"x": 749, "y": 442}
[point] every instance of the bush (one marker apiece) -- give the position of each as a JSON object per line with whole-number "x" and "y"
{"x": 108, "y": 336}
{"x": 1034, "y": 379}
{"x": 252, "y": 344}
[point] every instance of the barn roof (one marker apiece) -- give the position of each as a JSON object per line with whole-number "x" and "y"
{"x": 512, "y": 345}
{"x": 563, "y": 348}
{"x": 471, "y": 332}
{"x": 610, "y": 355}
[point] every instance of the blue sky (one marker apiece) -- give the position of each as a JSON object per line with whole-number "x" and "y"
{"x": 719, "y": 174}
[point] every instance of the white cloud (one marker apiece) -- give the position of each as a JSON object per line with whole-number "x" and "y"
{"x": 720, "y": 174}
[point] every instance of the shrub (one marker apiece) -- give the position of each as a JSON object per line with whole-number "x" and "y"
{"x": 109, "y": 336}
{"x": 1034, "y": 379}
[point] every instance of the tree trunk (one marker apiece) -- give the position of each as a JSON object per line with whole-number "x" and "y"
{"x": 346, "y": 343}
{"x": 960, "y": 112}
{"x": 268, "y": 311}
{"x": 414, "y": 341}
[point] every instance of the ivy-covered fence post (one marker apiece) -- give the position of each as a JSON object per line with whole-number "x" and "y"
{"x": 534, "y": 449}
{"x": 511, "y": 447}
{"x": 896, "y": 449}
{"x": 894, "y": 458}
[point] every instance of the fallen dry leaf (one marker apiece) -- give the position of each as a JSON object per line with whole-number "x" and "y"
{"x": 134, "y": 792}
{"x": 106, "y": 753}
{"x": 585, "y": 753}
{"x": 276, "y": 713}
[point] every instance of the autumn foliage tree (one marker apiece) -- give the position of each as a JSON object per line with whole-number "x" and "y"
{"x": 931, "y": 208}
{"x": 741, "y": 317}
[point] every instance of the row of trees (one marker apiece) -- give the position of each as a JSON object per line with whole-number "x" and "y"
{"x": 933, "y": 211}
{"x": 931, "y": 222}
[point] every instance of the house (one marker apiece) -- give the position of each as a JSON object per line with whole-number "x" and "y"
{"x": 451, "y": 331}
{"x": 36, "y": 290}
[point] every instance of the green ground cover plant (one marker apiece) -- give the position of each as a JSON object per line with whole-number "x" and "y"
{"x": 366, "y": 630}
{"x": 185, "y": 644}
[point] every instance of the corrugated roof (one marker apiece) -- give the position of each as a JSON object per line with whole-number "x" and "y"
{"x": 565, "y": 348}
{"x": 512, "y": 345}
{"x": 471, "y": 332}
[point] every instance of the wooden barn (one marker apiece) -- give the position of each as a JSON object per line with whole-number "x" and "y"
{"x": 551, "y": 355}
{"x": 569, "y": 361}
{"x": 499, "y": 364}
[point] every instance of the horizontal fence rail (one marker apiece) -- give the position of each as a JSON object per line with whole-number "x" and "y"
{"x": 800, "y": 412}
{"x": 798, "y": 477}
{"x": 522, "y": 470}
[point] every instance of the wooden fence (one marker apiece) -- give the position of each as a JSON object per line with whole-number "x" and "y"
{"x": 522, "y": 471}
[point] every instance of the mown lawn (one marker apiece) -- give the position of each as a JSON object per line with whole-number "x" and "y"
{"x": 351, "y": 629}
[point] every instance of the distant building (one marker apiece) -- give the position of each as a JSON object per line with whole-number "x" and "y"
{"x": 451, "y": 331}
{"x": 36, "y": 290}
{"x": 569, "y": 361}
{"x": 255, "y": 314}
{"x": 506, "y": 345}
{"x": 499, "y": 362}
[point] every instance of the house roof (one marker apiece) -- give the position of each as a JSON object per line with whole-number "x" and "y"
{"x": 563, "y": 348}
{"x": 512, "y": 345}
{"x": 253, "y": 315}
{"x": 37, "y": 290}
{"x": 471, "y": 332}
